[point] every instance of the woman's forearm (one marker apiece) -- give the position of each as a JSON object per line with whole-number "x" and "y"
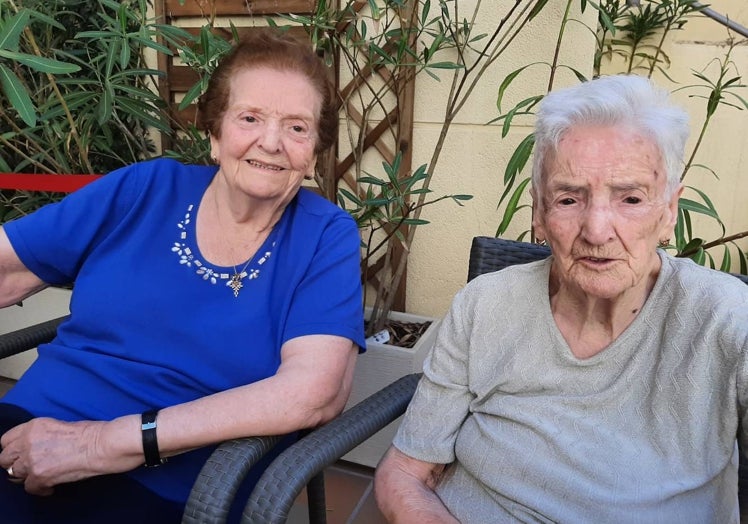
{"x": 300, "y": 395}
{"x": 311, "y": 386}
{"x": 404, "y": 489}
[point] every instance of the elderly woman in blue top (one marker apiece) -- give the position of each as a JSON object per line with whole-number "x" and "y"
{"x": 227, "y": 298}
{"x": 604, "y": 384}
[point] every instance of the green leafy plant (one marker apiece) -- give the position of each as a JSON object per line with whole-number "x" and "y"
{"x": 76, "y": 94}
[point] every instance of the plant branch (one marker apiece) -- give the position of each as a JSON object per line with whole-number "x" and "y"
{"x": 714, "y": 243}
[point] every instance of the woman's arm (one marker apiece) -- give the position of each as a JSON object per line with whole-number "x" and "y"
{"x": 404, "y": 489}
{"x": 311, "y": 387}
{"x": 16, "y": 282}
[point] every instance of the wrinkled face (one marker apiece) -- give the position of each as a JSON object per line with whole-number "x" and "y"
{"x": 268, "y": 133}
{"x": 604, "y": 210}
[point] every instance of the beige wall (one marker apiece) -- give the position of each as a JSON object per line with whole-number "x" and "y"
{"x": 474, "y": 157}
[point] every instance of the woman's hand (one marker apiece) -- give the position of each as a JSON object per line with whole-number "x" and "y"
{"x": 45, "y": 452}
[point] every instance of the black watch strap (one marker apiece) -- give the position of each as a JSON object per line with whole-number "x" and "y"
{"x": 150, "y": 442}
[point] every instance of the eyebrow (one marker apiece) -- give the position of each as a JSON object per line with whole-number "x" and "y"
{"x": 253, "y": 109}
{"x": 566, "y": 187}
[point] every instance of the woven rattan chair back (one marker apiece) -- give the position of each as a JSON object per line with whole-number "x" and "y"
{"x": 488, "y": 254}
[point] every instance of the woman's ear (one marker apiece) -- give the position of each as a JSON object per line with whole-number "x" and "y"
{"x": 673, "y": 211}
{"x": 538, "y": 224}
{"x": 215, "y": 149}
{"x": 311, "y": 168}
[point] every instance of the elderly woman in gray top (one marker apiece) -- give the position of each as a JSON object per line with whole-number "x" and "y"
{"x": 604, "y": 384}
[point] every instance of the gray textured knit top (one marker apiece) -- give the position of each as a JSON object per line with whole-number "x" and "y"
{"x": 644, "y": 431}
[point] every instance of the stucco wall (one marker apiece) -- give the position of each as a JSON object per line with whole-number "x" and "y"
{"x": 474, "y": 158}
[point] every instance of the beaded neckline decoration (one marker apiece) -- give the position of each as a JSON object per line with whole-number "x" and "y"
{"x": 210, "y": 274}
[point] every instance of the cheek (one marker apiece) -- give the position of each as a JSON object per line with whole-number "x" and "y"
{"x": 302, "y": 156}
{"x": 560, "y": 227}
{"x": 231, "y": 144}
{"x": 644, "y": 224}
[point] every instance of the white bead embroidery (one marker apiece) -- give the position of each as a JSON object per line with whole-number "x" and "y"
{"x": 205, "y": 271}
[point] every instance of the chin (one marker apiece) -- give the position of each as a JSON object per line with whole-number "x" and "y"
{"x": 603, "y": 287}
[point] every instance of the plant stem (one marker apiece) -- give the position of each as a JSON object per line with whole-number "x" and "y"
{"x": 714, "y": 243}
{"x": 707, "y": 119}
{"x": 557, "y": 50}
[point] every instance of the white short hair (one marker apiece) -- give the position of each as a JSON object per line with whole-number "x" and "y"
{"x": 619, "y": 100}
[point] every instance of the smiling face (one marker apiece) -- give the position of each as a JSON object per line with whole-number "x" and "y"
{"x": 604, "y": 210}
{"x": 268, "y": 133}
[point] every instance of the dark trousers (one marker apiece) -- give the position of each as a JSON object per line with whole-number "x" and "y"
{"x": 107, "y": 499}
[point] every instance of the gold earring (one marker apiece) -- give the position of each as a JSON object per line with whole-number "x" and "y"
{"x": 540, "y": 241}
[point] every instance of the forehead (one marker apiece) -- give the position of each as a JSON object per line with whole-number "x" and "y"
{"x": 286, "y": 92}
{"x": 610, "y": 155}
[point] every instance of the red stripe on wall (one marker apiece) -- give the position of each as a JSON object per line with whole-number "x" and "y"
{"x": 45, "y": 182}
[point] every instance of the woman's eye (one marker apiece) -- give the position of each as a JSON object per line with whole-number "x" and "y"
{"x": 298, "y": 129}
{"x": 566, "y": 201}
{"x": 249, "y": 119}
{"x": 632, "y": 200}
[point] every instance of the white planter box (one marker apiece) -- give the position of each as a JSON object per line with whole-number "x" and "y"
{"x": 381, "y": 365}
{"x": 47, "y": 304}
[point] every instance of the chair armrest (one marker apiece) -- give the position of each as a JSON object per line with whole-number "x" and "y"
{"x": 29, "y": 337}
{"x": 283, "y": 480}
{"x": 215, "y": 487}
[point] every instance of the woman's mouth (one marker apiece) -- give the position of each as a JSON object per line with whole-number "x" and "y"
{"x": 596, "y": 261}
{"x": 255, "y": 163}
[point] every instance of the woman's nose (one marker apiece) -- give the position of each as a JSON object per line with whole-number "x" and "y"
{"x": 270, "y": 140}
{"x": 597, "y": 224}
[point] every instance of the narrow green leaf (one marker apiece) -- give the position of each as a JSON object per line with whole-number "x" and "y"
{"x": 104, "y": 110}
{"x": 537, "y": 9}
{"x": 507, "y": 82}
{"x": 726, "y": 260}
{"x": 112, "y": 50}
{"x": 191, "y": 95}
{"x": 17, "y": 96}
{"x": 444, "y": 65}
{"x": 40, "y": 63}
{"x": 512, "y": 207}
{"x": 519, "y": 158}
{"x": 142, "y": 112}
{"x": 522, "y": 108}
{"x": 415, "y": 222}
{"x": 371, "y": 180}
{"x": 699, "y": 257}
{"x": 12, "y": 28}
{"x": 124, "y": 55}
{"x": 691, "y": 205}
{"x": 46, "y": 20}
{"x": 693, "y": 244}
{"x": 350, "y": 196}
{"x": 743, "y": 261}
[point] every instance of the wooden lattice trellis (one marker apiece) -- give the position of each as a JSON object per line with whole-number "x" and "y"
{"x": 384, "y": 136}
